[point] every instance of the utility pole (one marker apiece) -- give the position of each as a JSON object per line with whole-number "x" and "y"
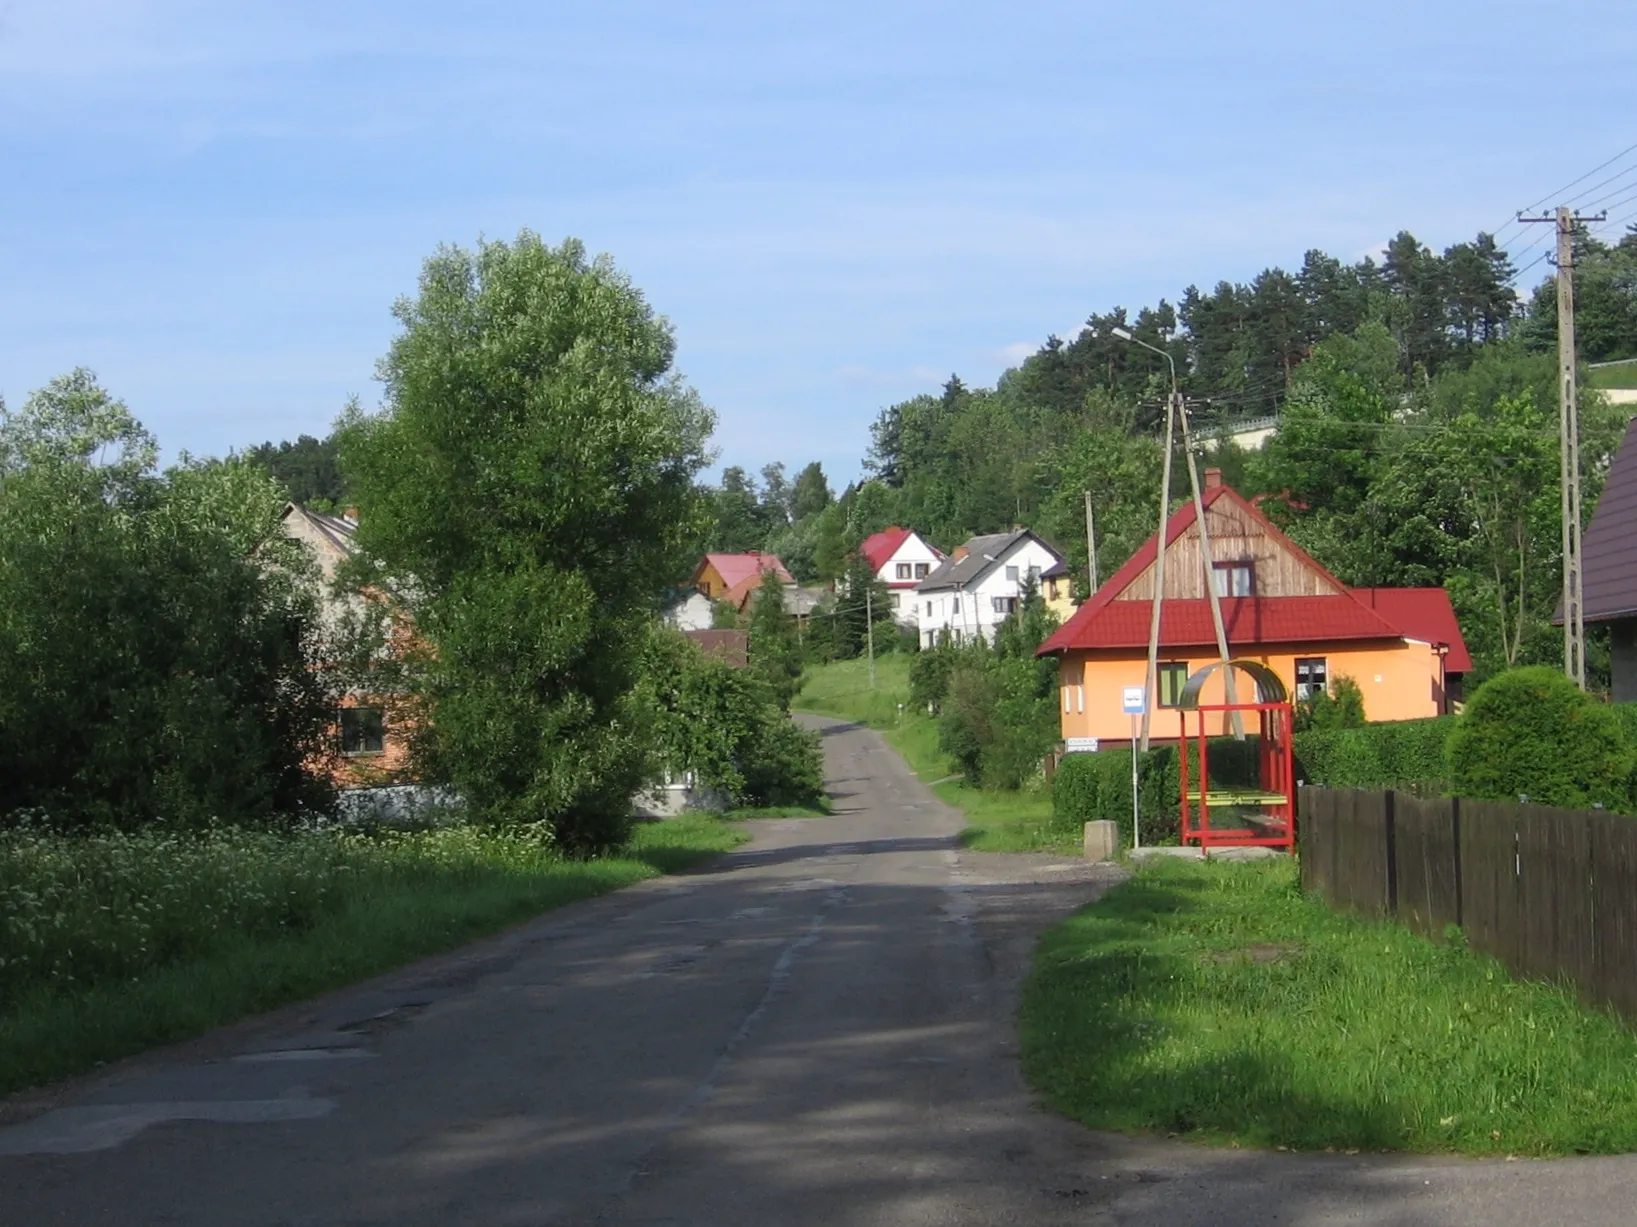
{"x": 1574, "y": 620}
{"x": 1153, "y": 687}
{"x": 1208, "y": 570}
{"x": 869, "y": 629}
{"x": 1091, "y": 543}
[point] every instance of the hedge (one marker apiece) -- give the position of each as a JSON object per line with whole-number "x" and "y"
{"x": 1407, "y": 755}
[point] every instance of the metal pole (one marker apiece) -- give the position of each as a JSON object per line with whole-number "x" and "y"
{"x": 1153, "y": 694}
{"x": 869, "y": 630}
{"x": 1136, "y": 810}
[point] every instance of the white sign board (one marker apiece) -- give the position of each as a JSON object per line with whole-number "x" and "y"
{"x": 1079, "y": 745}
{"x": 1131, "y": 698}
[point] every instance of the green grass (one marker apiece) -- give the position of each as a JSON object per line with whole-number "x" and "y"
{"x": 1622, "y": 376}
{"x": 114, "y": 944}
{"x": 1215, "y": 1002}
{"x": 999, "y": 821}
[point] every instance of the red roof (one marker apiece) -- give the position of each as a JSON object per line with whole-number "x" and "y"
{"x": 878, "y": 548}
{"x": 1248, "y": 620}
{"x": 1103, "y": 621}
{"x": 736, "y": 568}
{"x": 1424, "y": 614}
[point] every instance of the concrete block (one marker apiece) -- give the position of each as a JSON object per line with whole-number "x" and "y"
{"x": 1190, "y": 853}
{"x": 1102, "y": 840}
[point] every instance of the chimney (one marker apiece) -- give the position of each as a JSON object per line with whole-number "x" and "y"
{"x": 960, "y": 552}
{"x": 1213, "y": 478}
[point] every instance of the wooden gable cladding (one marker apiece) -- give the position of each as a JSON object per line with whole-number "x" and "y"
{"x": 1238, "y": 534}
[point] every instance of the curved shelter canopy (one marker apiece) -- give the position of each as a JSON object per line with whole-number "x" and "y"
{"x": 1269, "y": 689}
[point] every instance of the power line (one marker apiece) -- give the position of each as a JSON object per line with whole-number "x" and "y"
{"x": 1559, "y": 192}
{"x": 1587, "y": 204}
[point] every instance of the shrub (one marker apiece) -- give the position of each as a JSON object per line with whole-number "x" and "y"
{"x": 726, "y": 726}
{"x": 1341, "y": 707}
{"x": 1402, "y": 754}
{"x": 1533, "y": 732}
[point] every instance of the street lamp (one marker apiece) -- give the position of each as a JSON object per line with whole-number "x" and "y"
{"x": 1170, "y": 361}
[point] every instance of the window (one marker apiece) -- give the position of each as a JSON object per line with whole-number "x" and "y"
{"x": 929, "y": 609}
{"x": 955, "y": 605}
{"x": 902, "y": 570}
{"x": 1311, "y": 677}
{"x": 921, "y": 570}
{"x": 895, "y": 600}
{"x": 1234, "y": 578}
{"x": 1173, "y": 676}
{"x": 362, "y": 730}
{"x": 1005, "y": 604}
{"x": 1011, "y": 575}
{"x": 1032, "y": 576}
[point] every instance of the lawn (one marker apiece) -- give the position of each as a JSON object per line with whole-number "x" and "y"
{"x": 112, "y": 944}
{"x": 998, "y": 821}
{"x": 1623, "y": 375}
{"x": 1216, "y": 1002}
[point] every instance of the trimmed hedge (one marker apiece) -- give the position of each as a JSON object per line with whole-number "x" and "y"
{"x": 1407, "y": 755}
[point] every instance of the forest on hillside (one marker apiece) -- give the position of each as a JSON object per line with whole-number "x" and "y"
{"x": 1417, "y": 443}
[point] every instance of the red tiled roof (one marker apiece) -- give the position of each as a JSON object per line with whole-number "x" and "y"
{"x": 1424, "y": 614}
{"x": 736, "y": 568}
{"x": 1367, "y": 613}
{"x": 878, "y": 548}
{"x": 1248, "y": 621}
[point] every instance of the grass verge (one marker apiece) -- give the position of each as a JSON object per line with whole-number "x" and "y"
{"x": 118, "y": 944}
{"x": 999, "y": 821}
{"x": 1215, "y": 1001}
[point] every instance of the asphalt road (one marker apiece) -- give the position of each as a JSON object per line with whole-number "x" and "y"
{"x": 817, "y": 1029}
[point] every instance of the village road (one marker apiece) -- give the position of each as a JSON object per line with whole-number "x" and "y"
{"x": 817, "y": 1029}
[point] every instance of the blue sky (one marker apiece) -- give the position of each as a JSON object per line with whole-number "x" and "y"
{"x": 214, "y": 205}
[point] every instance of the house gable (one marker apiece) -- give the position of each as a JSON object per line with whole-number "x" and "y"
{"x": 1240, "y": 534}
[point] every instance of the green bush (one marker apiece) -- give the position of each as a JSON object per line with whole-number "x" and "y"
{"x": 726, "y": 726}
{"x": 1402, "y": 754}
{"x": 1533, "y": 732}
{"x": 1340, "y": 707}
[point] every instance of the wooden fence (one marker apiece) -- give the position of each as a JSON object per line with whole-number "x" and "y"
{"x": 1552, "y": 893}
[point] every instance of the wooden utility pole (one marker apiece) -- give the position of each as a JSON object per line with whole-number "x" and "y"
{"x": 1091, "y": 543}
{"x": 1208, "y": 570}
{"x": 1568, "y": 405}
{"x": 1153, "y": 688}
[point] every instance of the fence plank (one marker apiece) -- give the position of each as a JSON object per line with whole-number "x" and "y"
{"x": 1489, "y": 877}
{"x": 1614, "y": 901}
{"x": 1555, "y": 895}
{"x": 1427, "y": 889}
{"x": 1361, "y": 852}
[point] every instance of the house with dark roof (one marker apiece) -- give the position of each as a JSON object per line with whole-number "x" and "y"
{"x": 1280, "y": 607}
{"x": 901, "y": 559}
{"x": 1609, "y": 566}
{"x": 980, "y": 584}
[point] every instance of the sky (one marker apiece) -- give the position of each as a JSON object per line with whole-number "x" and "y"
{"x": 836, "y": 205}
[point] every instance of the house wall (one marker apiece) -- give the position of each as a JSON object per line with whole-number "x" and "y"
{"x": 1623, "y": 666}
{"x": 1400, "y": 680}
{"x": 710, "y": 582}
{"x": 911, "y": 551}
{"x": 1235, "y": 536}
{"x": 693, "y": 614}
{"x": 1059, "y": 595}
{"x": 977, "y": 614}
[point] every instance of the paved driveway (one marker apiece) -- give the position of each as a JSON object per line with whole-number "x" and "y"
{"x": 818, "y": 1029}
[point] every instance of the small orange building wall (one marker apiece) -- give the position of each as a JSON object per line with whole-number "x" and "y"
{"x": 1400, "y": 680}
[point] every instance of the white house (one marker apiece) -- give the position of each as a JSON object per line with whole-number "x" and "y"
{"x": 980, "y": 585}
{"x": 692, "y": 613}
{"x": 901, "y": 559}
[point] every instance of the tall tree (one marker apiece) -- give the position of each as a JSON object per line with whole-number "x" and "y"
{"x": 528, "y": 491}
{"x": 811, "y": 494}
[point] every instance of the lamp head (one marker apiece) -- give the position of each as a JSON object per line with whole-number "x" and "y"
{"x": 1121, "y": 333}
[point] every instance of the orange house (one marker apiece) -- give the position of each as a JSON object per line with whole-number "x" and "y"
{"x": 1279, "y": 606}
{"x": 718, "y": 575}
